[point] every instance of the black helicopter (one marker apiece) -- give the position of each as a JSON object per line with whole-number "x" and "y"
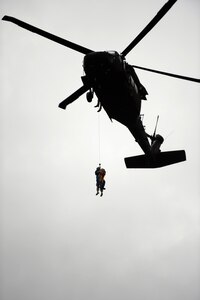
{"x": 119, "y": 91}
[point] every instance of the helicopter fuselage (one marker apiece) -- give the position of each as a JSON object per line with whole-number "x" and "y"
{"x": 108, "y": 74}
{"x": 119, "y": 90}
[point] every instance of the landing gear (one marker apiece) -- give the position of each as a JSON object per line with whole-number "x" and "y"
{"x": 156, "y": 143}
{"x": 89, "y": 96}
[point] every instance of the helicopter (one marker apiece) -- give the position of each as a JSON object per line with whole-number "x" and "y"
{"x": 119, "y": 91}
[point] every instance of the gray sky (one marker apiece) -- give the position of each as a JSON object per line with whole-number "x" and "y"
{"x": 58, "y": 240}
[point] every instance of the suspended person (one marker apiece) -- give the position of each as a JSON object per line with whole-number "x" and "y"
{"x": 97, "y": 173}
{"x": 100, "y": 182}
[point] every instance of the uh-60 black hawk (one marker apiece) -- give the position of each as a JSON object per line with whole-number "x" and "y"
{"x": 119, "y": 92}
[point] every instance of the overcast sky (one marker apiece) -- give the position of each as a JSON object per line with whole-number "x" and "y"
{"x": 58, "y": 240}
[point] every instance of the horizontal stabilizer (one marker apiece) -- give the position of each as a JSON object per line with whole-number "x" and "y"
{"x": 161, "y": 159}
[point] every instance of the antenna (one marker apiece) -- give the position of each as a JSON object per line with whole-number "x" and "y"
{"x": 154, "y": 134}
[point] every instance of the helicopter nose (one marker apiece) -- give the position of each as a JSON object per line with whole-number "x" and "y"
{"x": 94, "y": 62}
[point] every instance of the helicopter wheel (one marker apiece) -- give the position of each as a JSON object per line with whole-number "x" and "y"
{"x": 89, "y": 96}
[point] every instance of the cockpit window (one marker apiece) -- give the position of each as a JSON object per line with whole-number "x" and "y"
{"x": 112, "y": 52}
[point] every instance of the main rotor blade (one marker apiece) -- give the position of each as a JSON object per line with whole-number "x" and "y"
{"x": 73, "y": 97}
{"x": 48, "y": 35}
{"x": 168, "y": 74}
{"x": 151, "y": 24}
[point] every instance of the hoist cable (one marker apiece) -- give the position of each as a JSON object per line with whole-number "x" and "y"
{"x": 99, "y": 137}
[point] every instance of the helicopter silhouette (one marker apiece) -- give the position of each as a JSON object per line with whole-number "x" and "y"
{"x": 119, "y": 91}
